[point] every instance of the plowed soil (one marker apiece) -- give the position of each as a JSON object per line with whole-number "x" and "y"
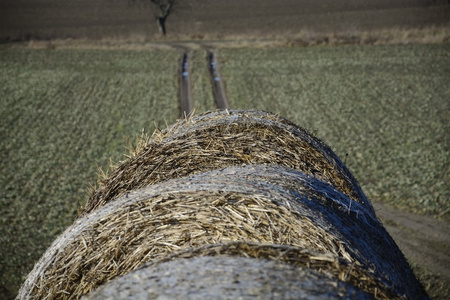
{"x": 135, "y": 19}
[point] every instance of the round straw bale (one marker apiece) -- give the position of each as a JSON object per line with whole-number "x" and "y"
{"x": 225, "y": 138}
{"x": 231, "y": 277}
{"x": 263, "y": 204}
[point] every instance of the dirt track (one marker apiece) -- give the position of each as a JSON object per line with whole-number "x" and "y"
{"x": 185, "y": 84}
{"x": 217, "y": 81}
{"x": 424, "y": 240}
{"x": 186, "y": 101}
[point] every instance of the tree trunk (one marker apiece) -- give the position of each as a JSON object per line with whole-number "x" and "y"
{"x": 161, "y": 25}
{"x": 164, "y": 9}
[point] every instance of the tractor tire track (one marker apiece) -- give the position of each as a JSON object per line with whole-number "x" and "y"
{"x": 186, "y": 101}
{"x": 217, "y": 82}
{"x": 185, "y": 83}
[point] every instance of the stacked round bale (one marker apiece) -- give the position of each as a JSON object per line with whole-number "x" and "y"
{"x": 227, "y": 138}
{"x": 228, "y": 204}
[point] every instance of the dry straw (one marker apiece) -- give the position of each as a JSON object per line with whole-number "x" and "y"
{"x": 246, "y": 271}
{"x": 226, "y": 138}
{"x": 253, "y": 204}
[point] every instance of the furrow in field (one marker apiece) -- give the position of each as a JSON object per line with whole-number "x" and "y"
{"x": 217, "y": 81}
{"x": 186, "y": 101}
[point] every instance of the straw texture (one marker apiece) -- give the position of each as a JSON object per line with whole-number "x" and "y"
{"x": 226, "y": 138}
{"x": 230, "y": 194}
{"x": 256, "y": 204}
{"x": 227, "y": 277}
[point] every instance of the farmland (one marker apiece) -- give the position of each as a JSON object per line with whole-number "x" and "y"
{"x": 66, "y": 109}
{"x": 202, "y": 19}
{"x": 384, "y": 110}
{"x": 63, "y": 114}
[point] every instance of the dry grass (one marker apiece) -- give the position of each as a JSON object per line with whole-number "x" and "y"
{"x": 390, "y": 36}
{"x": 220, "y": 139}
{"x": 289, "y": 265}
{"x": 259, "y": 204}
{"x": 302, "y": 38}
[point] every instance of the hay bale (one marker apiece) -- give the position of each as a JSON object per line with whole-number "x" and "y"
{"x": 230, "y": 277}
{"x": 227, "y": 138}
{"x": 260, "y": 204}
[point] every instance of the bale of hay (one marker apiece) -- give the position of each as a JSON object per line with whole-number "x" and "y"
{"x": 227, "y": 277}
{"x": 226, "y": 138}
{"x": 261, "y": 204}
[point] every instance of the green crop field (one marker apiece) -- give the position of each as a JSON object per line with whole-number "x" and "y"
{"x": 383, "y": 109}
{"x": 63, "y": 113}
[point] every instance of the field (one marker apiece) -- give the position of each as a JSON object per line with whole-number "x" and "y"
{"x": 22, "y": 20}
{"x": 383, "y": 109}
{"x": 63, "y": 114}
{"x": 66, "y": 108}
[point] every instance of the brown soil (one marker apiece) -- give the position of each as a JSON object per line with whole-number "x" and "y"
{"x": 217, "y": 82}
{"x": 186, "y": 101}
{"x": 425, "y": 242}
{"x": 202, "y": 19}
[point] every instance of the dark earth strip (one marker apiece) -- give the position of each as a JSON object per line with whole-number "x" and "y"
{"x": 201, "y": 19}
{"x": 424, "y": 241}
{"x": 217, "y": 82}
{"x": 186, "y": 101}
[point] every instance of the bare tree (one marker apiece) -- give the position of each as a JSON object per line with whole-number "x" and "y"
{"x": 164, "y": 8}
